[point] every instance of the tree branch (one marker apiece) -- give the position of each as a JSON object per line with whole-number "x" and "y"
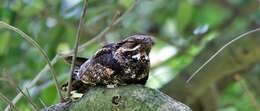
{"x": 82, "y": 18}
{"x": 236, "y": 57}
{"x": 123, "y": 98}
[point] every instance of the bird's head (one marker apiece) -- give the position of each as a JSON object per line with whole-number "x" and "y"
{"x": 138, "y": 42}
{"x": 136, "y": 46}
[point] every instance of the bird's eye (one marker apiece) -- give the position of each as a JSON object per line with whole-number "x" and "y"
{"x": 130, "y": 41}
{"x": 130, "y": 44}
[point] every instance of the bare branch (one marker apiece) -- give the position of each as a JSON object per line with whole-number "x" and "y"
{"x": 82, "y": 18}
{"x": 34, "y": 106}
{"x": 221, "y": 49}
{"x": 104, "y": 31}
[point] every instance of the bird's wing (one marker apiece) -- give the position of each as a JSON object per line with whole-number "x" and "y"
{"x": 105, "y": 57}
{"x": 78, "y": 61}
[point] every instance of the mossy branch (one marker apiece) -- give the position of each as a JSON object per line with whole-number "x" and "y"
{"x": 123, "y": 98}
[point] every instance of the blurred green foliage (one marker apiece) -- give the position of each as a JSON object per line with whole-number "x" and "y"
{"x": 181, "y": 29}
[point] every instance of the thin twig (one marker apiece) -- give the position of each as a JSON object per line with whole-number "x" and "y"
{"x": 59, "y": 56}
{"x": 103, "y": 32}
{"x": 222, "y": 48}
{"x": 7, "y": 77}
{"x": 29, "y": 95}
{"x": 33, "y": 82}
{"x": 12, "y": 83}
{"x": 82, "y": 18}
{"x": 9, "y": 82}
{"x": 42, "y": 102}
{"x": 42, "y": 52}
{"x": 4, "y": 98}
{"x": 34, "y": 106}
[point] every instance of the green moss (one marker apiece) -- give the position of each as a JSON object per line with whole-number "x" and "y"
{"x": 127, "y": 98}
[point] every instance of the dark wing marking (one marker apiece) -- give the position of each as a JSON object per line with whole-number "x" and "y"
{"x": 78, "y": 62}
{"x": 106, "y": 59}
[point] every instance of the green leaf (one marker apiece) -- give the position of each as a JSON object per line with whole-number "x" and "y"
{"x": 126, "y": 3}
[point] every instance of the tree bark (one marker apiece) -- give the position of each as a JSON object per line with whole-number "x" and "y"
{"x": 124, "y": 98}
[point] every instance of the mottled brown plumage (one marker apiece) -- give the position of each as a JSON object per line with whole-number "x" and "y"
{"x": 122, "y": 63}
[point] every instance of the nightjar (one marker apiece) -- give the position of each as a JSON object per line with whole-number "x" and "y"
{"x": 122, "y": 63}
